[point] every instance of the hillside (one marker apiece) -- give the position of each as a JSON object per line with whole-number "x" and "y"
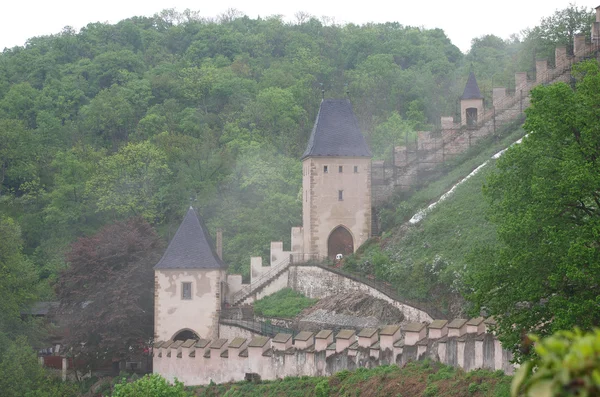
{"x": 425, "y": 261}
{"x": 414, "y": 380}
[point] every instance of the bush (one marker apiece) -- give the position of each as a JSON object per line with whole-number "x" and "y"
{"x": 322, "y": 388}
{"x": 150, "y": 386}
{"x": 285, "y": 303}
{"x": 568, "y": 364}
{"x": 431, "y": 391}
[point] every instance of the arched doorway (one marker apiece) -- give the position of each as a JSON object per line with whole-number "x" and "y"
{"x": 185, "y": 334}
{"x": 340, "y": 242}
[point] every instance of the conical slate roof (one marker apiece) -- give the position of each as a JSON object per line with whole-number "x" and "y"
{"x": 191, "y": 247}
{"x": 336, "y": 132}
{"x": 471, "y": 89}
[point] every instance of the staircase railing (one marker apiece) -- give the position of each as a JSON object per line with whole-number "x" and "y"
{"x": 260, "y": 281}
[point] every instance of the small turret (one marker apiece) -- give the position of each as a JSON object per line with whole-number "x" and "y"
{"x": 471, "y": 103}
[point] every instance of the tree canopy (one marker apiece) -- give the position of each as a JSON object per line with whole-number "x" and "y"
{"x": 545, "y": 198}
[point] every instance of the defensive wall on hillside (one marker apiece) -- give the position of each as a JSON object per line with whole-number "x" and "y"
{"x": 411, "y": 165}
{"x": 466, "y": 344}
{"x": 316, "y": 280}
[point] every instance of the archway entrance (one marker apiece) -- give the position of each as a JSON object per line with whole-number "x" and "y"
{"x": 186, "y": 334}
{"x": 340, "y": 242}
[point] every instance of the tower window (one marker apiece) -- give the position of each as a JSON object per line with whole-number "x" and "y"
{"x": 325, "y": 169}
{"x": 341, "y": 169}
{"x": 186, "y": 291}
{"x": 356, "y": 169}
{"x": 340, "y": 195}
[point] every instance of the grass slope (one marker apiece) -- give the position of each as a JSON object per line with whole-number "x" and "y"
{"x": 423, "y": 378}
{"x": 285, "y": 303}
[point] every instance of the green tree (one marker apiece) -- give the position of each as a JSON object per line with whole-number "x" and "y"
{"x": 134, "y": 181}
{"x": 545, "y": 200}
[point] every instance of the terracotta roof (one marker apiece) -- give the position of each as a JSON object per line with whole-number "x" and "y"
{"x": 471, "y": 88}
{"x": 336, "y": 132}
{"x": 191, "y": 248}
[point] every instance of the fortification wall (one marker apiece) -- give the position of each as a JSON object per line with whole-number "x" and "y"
{"x": 316, "y": 282}
{"x": 416, "y": 161}
{"x": 461, "y": 343}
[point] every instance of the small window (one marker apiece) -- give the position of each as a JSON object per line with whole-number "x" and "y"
{"x": 356, "y": 169}
{"x": 341, "y": 169}
{"x": 340, "y": 195}
{"x": 306, "y": 196}
{"x": 186, "y": 291}
{"x": 325, "y": 169}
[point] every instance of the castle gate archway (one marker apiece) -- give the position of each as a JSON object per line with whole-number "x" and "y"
{"x": 340, "y": 242}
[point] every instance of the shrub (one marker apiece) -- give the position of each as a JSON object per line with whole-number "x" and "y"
{"x": 285, "y": 303}
{"x": 150, "y": 386}
{"x": 431, "y": 391}
{"x": 568, "y": 364}
{"x": 322, "y": 388}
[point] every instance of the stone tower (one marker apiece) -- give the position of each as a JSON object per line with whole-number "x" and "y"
{"x": 336, "y": 183}
{"x": 188, "y": 282}
{"x": 471, "y": 103}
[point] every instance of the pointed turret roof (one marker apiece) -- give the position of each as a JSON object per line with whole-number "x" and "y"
{"x": 336, "y": 132}
{"x": 471, "y": 89}
{"x": 191, "y": 248}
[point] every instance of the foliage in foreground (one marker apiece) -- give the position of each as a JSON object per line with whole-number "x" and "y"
{"x": 423, "y": 378}
{"x": 568, "y": 364}
{"x": 285, "y": 303}
{"x": 545, "y": 200}
{"x": 150, "y": 386}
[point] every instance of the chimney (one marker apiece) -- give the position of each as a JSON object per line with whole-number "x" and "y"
{"x": 220, "y": 243}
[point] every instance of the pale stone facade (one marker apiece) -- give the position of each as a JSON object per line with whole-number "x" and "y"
{"x": 199, "y": 314}
{"x": 334, "y": 198}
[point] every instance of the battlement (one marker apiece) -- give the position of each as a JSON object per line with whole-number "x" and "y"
{"x": 468, "y": 344}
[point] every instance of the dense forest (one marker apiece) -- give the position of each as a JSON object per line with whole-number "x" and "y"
{"x": 150, "y": 115}
{"x": 145, "y": 117}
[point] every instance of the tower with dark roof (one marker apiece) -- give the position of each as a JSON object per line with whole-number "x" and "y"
{"x": 336, "y": 183}
{"x": 471, "y": 103}
{"x": 188, "y": 282}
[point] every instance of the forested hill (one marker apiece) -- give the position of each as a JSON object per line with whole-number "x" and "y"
{"x": 145, "y": 116}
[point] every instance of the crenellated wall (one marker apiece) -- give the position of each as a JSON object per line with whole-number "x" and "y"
{"x": 465, "y": 344}
{"x": 416, "y": 162}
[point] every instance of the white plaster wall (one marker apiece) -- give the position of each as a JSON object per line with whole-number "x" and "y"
{"x": 315, "y": 282}
{"x": 199, "y": 314}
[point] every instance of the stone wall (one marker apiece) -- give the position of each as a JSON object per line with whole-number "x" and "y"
{"x": 461, "y": 343}
{"x": 316, "y": 282}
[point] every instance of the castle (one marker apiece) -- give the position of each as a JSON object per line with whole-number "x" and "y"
{"x": 340, "y": 186}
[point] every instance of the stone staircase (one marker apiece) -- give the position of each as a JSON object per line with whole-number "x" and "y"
{"x": 263, "y": 280}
